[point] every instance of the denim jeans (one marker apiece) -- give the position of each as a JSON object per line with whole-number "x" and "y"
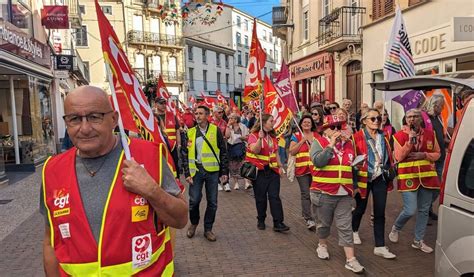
{"x": 209, "y": 180}
{"x": 306, "y": 209}
{"x": 282, "y": 153}
{"x": 412, "y": 201}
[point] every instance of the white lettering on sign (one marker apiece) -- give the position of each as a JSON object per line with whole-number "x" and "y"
{"x": 61, "y": 201}
{"x": 22, "y": 42}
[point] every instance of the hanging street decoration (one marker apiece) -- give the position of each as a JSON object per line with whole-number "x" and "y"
{"x": 205, "y": 14}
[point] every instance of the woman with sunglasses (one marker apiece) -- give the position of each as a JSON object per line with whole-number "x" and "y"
{"x": 333, "y": 107}
{"x": 299, "y": 147}
{"x": 371, "y": 142}
{"x": 262, "y": 151}
{"x": 332, "y": 190}
{"x": 317, "y": 114}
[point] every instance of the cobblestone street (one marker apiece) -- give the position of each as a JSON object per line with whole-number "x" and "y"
{"x": 240, "y": 248}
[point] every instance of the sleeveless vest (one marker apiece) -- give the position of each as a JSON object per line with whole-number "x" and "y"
{"x": 170, "y": 129}
{"x": 336, "y": 173}
{"x": 208, "y": 160}
{"x": 267, "y": 155}
{"x": 128, "y": 244}
{"x": 303, "y": 163}
{"x": 412, "y": 174}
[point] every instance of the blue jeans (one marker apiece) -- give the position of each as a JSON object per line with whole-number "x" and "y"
{"x": 412, "y": 201}
{"x": 210, "y": 180}
{"x": 282, "y": 153}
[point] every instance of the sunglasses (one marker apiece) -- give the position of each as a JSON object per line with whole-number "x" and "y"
{"x": 373, "y": 119}
{"x": 338, "y": 127}
{"x": 332, "y": 108}
{"x": 315, "y": 114}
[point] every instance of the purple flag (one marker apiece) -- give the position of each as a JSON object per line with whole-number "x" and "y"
{"x": 284, "y": 88}
{"x": 410, "y": 100}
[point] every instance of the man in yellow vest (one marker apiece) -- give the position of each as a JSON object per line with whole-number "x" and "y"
{"x": 206, "y": 164}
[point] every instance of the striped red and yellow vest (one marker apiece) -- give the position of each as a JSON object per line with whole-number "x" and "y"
{"x": 267, "y": 155}
{"x": 337, "y": 173}
{"x": 129, "y": 243}
{"x": 412, "y": 174}
{"x": 361, "y": 148}
{"x": 170, "y": 129}
{"x": 303, "y": 163}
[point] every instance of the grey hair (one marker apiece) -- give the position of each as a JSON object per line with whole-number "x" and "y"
{"x": 414, "y": 110}
{"x": 429, "y": 104}
{"x": 366, "y": 114}
{"x": 236, "y": 116}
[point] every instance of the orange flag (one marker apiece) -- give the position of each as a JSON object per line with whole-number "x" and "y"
{"x": 253, "y": 77}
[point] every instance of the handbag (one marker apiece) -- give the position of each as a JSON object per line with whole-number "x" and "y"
{"x": 249, "y": 171}
{"x": 236, "y": 151}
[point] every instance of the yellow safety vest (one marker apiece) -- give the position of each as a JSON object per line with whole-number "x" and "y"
{"x": 208, "y": 160}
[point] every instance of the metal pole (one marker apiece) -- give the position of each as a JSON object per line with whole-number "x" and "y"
{"x": 15, "y": 125}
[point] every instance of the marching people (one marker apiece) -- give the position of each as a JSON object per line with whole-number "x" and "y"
{"x": 387, "y": 127}
{"x": 304, "y": 168}
{"x": 332, "y": 190}
{"x": 206, "y": 164}
{"x": 236, "y": 135}
{"x": 374, "y": 144}
{"x": 112, "y": 202}
{"x": 416, "y": 150}
{"x": 217, "y": 119}
{"x": 262, "y": 151}
{"x": 363, "y": 109}
{"x": 171, "y": 129}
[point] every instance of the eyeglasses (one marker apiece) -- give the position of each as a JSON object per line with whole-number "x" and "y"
{"x": 73, "y": 120}
{"x": 338, "y": 127}
{"x": 373, "y": 119}
{"x": 314, "y": 113}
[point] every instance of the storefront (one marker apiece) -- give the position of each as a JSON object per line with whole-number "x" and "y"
{"x": 313, "y": 78}
{"x": 26, "y": 128}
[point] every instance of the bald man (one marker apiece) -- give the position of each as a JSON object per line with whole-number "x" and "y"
{"x": 104, "y": 213}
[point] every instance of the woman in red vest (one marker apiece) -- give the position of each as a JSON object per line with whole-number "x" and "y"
{"x": 332, "y": 190}
{"x": 262, "y": 152}
{"x": 371, "y": 142}
{"x": 416, "y": 149}
{"x": 299, "y": 147}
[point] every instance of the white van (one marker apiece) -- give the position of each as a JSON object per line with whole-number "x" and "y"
{"x": 455, "y": 233}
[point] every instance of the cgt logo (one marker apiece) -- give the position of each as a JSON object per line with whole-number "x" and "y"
{"x": 61, "y": 200}
{"x": 139, "y": 201}
{"x": 141, "y": 251}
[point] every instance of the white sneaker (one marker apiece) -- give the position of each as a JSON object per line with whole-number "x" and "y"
{"x": 322, "y": 251}
{"x": 219, "y": 187}
{"x": 227, "y": 187}
{"x": 422, "y": 246}
{"x": 356, "y": 238}
{"x": 383, "y": 251}
{"x": 393, "y": 236}
{"x": 236, "y": 186}
{"x": 248, "y": 184}
{"x": 311, "y": 225}
{"x": 354, "y": 265}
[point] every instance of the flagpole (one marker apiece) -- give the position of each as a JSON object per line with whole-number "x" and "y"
{"x": 123, "y": 136}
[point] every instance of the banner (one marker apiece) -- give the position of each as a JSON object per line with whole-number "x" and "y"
{"x": 253, "y": 77}
{"x": 275, "y": 106}
{"x": 55, "y": 17}
{"x": 285, "y": 89}
{"x": 162, "y": 91}
{"x": 208, "y": 101}
{"x": 220, "y": 98}
{"x": 410, "y": 99}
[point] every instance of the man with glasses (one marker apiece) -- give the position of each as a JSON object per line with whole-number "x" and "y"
{"x": 417, "y": 150}
{"x": 206, "y": 163}
{"x": 92, "y": 197}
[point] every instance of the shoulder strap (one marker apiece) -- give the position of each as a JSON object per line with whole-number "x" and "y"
{"x": 209, "y": 144}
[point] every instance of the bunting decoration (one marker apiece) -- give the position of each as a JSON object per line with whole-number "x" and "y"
{"x": 207, "y": 14}
{"x": 274, "y": 105}
{"x": 253, "y": 77}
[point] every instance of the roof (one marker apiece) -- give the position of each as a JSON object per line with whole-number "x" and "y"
{"x": 463, "y": 79}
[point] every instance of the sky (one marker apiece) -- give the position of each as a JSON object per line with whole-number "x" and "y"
{"x": 255, "y": 7}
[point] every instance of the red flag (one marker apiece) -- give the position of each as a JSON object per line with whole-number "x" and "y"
{"x": 284, "y": 88}
{"x": 208, "y": 101}
{"x": 125, "y": 113}
{"x": 275, "y": 106}
{"x": 220, "y": 98}
{"x": 162, "y": 91}
{"x": 232, "y": 104}
{"x": 253, "y": 77}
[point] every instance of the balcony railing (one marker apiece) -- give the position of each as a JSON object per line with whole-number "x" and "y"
{"x": 75, "y": 16}
{"x": 140, "y": 37}
{"x": 168, "y": 76}
{"x": 340, "y": 27}
{"x": 279, "y": 15}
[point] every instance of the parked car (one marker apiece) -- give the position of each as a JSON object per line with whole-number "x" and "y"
{"x": 454, "y": 254}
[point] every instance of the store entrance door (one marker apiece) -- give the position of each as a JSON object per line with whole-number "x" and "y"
{"x": 354, "y": 84}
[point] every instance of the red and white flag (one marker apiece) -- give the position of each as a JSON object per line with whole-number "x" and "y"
{"x": 274, "y": 105}
{"x": 162, "y": 91}
{"x": 208, "y": 101}
{"x": 253, "y": 77}
{"x": 285, "y": 89}
{"x": 220, "y": 98}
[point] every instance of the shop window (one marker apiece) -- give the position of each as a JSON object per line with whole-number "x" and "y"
{"x": 465, "y": 63}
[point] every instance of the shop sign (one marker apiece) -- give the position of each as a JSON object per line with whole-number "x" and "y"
{"x": 55, "y": 17}
{"x": 14, "y": 40}
{"x": 63, "y": 62}
{"x": 316, "y": 66}
{"x": 61, "y": 74}
{"x": 463, "y": 28}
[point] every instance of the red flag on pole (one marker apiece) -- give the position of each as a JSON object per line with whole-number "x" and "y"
{"x": 284, "y": 88}
{"x": 274, "y": 105}
{"x": 127, "y": 117}
{"x": 253, "y": 77}
{"x": 208, "y": 101}
{"x": 220, "y": 98}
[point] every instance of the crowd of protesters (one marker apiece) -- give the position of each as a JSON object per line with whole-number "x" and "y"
{"x": 343, "y": 160}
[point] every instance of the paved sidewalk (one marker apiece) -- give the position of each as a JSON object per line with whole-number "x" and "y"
{"x": 240, "y": 248}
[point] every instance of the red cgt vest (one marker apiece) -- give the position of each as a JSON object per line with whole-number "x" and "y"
{"x": 303, "y": 163}
{"x": 267, "y": 155}
{"x": 361, "y": 148}
{"x": 128, "y": 243}
{"x": 336, "y": 173}
{"x": 412, "y": 174}
{"x": 170, "y": 129}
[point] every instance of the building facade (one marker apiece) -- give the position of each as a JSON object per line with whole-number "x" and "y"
{"x": 324, "y": 47}
{"x": 154, "y": 42}
{"x": 232, "y": 29}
